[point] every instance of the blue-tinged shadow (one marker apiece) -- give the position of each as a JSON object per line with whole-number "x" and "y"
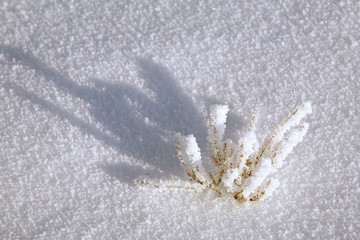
{"x": 136, "y": 124}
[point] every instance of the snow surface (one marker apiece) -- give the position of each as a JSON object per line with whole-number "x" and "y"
{"x": 93, "y": 92}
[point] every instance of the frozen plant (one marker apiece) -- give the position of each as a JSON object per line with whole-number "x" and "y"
{"x": 245, "y": 169}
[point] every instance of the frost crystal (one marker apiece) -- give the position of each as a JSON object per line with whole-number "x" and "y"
{"x": 245, "y": 169}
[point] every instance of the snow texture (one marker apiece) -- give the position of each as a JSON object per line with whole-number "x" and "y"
{"x": 93, "y": 92}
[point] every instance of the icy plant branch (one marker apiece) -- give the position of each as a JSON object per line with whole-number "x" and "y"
{"x": 245, "y": 169}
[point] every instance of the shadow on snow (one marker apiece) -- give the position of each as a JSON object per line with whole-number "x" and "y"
{"x": 139, "y": 126}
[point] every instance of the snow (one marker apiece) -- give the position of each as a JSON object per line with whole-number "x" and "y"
{"x": 92, "y": 94}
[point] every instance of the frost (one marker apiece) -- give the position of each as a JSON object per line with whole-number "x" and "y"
{"x": 191, "y": 158}
{"x": 245, "y": 169}
{"x": 258, "y": 176}
{"x": 229, "y": 178}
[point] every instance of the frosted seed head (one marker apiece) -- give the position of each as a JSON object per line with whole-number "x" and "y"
{"x": 219, "y": 113}
{"x": 244, "y": 170}
{"x": 229, "y": 177}
{"x": 273, "y": 185}
{"x": 192, "y": 149}
{"x": 260, "y": 174}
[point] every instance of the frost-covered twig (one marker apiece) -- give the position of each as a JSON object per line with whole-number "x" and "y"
{"x": 245, "y": 169}
{"x": 190, "y": 158}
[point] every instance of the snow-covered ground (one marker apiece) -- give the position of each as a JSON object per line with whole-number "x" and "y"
{"x": 93, "y": 92}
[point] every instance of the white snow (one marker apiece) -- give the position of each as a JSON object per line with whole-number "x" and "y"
{"x": 93, "y": 92}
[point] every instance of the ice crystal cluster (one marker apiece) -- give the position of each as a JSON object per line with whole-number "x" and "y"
{"x": 246, "y": 169}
